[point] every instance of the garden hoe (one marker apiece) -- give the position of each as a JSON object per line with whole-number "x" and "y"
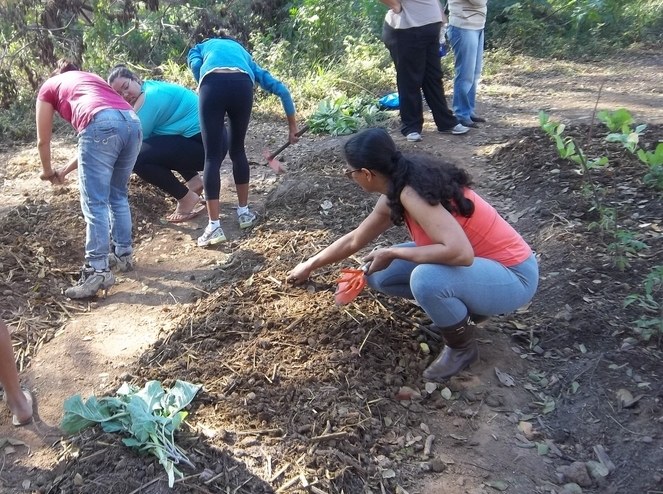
{"x": 272, "y": 162}
{"x": 350, "y": 284}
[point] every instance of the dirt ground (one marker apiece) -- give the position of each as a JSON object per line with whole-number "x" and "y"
{"x": 301, "y": 395}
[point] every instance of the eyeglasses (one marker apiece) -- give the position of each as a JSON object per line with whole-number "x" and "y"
{"x": 348, "y": 173}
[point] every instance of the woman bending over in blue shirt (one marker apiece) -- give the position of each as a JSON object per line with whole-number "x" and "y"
{"x": 171, "y": 138}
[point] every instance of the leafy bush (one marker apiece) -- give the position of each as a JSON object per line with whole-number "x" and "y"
{"x": 17, "y": 121}
{"x": 573, "y": 28}
{"x": 343, "y": 115}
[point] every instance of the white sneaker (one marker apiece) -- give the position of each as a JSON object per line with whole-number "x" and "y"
{"x": 246, "y": 220}
{"x": 413, "y": 137}
{"x": 211, "y": 237}
{"x": 460, "y": 129}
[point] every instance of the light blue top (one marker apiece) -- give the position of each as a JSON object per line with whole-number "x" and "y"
{"x": 220, "y": 53}
{"x": 168, "y": 109}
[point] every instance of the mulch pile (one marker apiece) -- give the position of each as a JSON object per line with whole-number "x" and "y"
{"x": 301, "y": 394}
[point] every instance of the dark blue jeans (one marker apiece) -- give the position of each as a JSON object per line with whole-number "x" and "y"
{"x": 416, "y": 57}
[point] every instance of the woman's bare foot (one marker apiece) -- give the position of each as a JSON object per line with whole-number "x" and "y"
{"x": 20, "y": 406}
{"x": 195, "y": 185}
{"x": 187, "y": 208}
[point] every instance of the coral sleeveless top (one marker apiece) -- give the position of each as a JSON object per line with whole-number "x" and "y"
{"x": 489, "y": 234}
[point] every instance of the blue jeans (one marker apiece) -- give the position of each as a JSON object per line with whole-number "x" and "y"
{"x": 107, "y": 151}
{"x": 467, "y": 45}
{"x": 449, "y": 293}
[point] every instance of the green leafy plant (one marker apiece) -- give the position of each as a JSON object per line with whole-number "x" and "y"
{"x": 617, "y": 121}
{"x": 149, "y": 416}
{"x": 343, "y": 115}
{"x": 651, "y": 300}
{"x": 624, "y": 246}
{"x": 624, "y": 243}
{"x": 629, "y": 138}
{"x": 569, "y": 149}
{"x": 654, "y": 160}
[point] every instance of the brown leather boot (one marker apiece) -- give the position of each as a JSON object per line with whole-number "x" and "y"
{"x": 434, "y": 332}
{"x": 460, "y": 351}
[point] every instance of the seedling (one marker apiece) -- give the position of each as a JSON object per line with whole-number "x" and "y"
{"x": 617, "y": 121}
{"x": 629, "y": 139}
{"x": 651, "y": 323}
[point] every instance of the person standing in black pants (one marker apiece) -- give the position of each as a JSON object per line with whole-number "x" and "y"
{"x": 411, "y": 33}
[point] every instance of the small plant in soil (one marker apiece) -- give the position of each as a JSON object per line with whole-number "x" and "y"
{"x": 149, "y": 416}
{"x": 651, "y": 301}
{"x": 619, "y": 123}
{"x": 624, "y": 243}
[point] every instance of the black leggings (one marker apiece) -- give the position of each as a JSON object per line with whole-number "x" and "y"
{"x": 160, "y": 155}
{"x": 220, "y": 94}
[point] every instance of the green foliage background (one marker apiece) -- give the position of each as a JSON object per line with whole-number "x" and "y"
{"x": 323, "y": 49}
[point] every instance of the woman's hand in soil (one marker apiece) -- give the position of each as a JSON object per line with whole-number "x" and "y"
{"x": 49, "y": 177}
{"x": 300, "y": 273}
{"x": 62, "y": 173}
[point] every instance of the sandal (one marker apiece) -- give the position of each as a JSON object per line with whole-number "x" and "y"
{"x": 28, "y": 397}
{"x": 182, "y": 217}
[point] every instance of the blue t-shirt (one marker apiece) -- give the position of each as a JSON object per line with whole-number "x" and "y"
{"x": 168, "y": 109}
{"x": 220, "y": 53}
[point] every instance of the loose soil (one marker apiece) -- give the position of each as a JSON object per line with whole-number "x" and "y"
{"x": 301, "y": 395}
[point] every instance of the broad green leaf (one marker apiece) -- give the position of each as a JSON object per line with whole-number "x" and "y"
{"x": 179, "y": 396}
{"x": 499, "y": 485}
{"x": 143, "y": 422}
{"x": 542, "y": 449}
{"x": 79, "y": 415}
{"x": 152, "y": 394}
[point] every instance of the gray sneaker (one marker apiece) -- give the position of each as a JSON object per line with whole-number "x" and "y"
{"x": 246, "y": 220}
{"x": 90, "y": 283}
{"x": 121, "y": 264}
{"x": 456, "y": 130}
{"x": 211, "y": 237}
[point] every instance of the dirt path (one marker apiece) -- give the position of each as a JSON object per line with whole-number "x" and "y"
{"x": 98, "y": 348}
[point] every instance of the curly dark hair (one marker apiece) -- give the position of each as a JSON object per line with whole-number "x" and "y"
{"x": 436, "y": 180}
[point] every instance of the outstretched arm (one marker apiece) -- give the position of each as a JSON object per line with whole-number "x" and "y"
{"x": 368, "y": 230}
{"x": 45, "y": 112}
